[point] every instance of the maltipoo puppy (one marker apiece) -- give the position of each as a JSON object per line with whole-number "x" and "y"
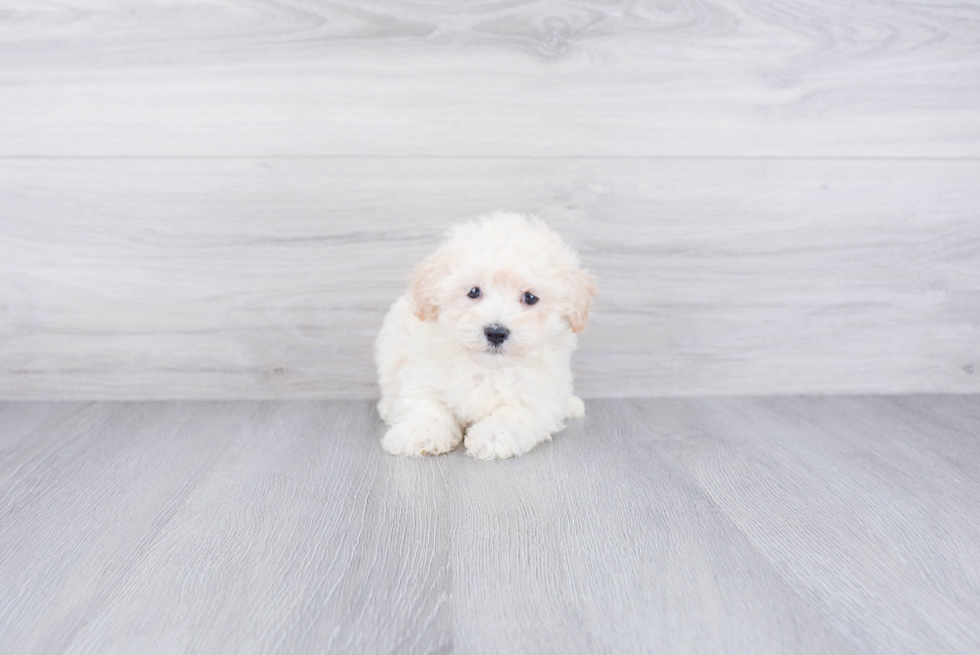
{"x": 479, "y": 347}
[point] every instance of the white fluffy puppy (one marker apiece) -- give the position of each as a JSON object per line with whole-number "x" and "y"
{"x": 481, "y": 343}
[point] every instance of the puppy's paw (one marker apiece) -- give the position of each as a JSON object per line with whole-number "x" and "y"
{"x": 494, "y": 439}
{"x": 416, "y": 439}
{"x": 576, "y": 408}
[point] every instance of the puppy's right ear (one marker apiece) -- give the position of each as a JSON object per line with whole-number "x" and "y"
{"x": 422, "y": 288}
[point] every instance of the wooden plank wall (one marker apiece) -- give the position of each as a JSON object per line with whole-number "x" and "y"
{"x": 219, "y": 199}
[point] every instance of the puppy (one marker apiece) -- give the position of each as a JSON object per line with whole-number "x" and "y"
{"x": 481, "y": 343}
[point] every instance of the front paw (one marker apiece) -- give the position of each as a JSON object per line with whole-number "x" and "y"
{"x": 494, "y": 439}
{"x": 416, "y": 439}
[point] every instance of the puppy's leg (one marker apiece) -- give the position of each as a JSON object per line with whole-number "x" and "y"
{"x": 422, "y": 427}
{"x": 509, "y": 431}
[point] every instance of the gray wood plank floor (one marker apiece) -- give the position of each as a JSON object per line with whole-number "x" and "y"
{"x": 765, "y": 525}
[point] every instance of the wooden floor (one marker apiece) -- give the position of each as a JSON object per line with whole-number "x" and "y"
{"x": 790, "y": 525}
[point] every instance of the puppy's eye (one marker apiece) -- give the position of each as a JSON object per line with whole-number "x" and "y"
{"x": 529, "y": 298}
{"x": 475, "y": 292}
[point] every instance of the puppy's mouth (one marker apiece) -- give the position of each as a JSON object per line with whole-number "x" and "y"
{"x": 494, "y": 356}
{"x": 503, "y": 351}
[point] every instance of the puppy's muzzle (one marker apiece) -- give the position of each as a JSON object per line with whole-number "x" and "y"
{"x": 496, "y": 334}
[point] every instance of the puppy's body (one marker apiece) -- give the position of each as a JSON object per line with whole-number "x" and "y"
{"x": 441, "y": 369}
{"x": 424, "y": 370}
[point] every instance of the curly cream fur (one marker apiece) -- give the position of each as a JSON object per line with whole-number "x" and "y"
{"x": 442, "y": 381}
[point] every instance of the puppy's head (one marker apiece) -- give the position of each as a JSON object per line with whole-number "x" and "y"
{"x": 502, "y": 286}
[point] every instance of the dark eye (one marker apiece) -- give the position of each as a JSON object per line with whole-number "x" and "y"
{"x": 475, "y": 292}
{"x": 529, "y": 298}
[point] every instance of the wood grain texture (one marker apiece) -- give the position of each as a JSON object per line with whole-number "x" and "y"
{"x": 855, "y": 499}
{"x": 207, "y": 527}
{"x": 269, "y": 278}
{"x": 766, "y": 525}
{"x": 600, "y": 544}
{"x": 126, "y": 470}
{"x": 591, "y": 77}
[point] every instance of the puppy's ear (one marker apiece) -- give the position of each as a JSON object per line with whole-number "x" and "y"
{"x": 581, "y": 289}
{"x": 423, "y": 286}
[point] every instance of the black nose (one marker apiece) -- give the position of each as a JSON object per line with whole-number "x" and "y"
{"x": 496, "y": 334}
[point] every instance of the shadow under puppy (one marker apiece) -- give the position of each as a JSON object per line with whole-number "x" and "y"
{"x": 481, "y": 343}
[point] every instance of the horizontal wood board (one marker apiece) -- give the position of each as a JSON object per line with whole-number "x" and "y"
{"x": 172, "y": 278}
{"x": 542, "y": 78}
{"x": 780, "y": 197}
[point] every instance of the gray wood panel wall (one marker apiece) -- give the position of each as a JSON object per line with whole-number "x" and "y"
{"x": 220, "y": 199}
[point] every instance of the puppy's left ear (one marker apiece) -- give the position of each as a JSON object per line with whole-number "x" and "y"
{"x": 582, "y": 287}
{"x": 422, "y": 288}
